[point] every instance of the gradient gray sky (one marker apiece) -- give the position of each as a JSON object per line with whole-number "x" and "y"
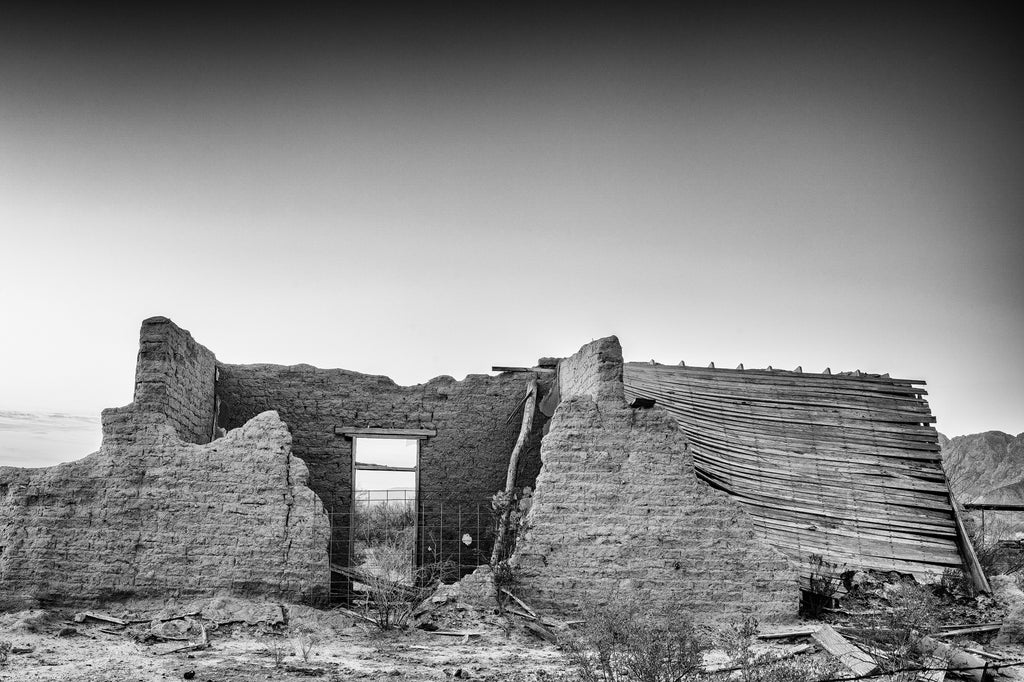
{"x": 434, "y": 194}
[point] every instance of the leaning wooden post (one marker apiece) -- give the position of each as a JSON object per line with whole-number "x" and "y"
{"x": 513, "y": 463}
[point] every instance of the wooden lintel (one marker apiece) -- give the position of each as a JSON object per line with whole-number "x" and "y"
{"x": 352, "y": 431}
{"x": 522, "y": 369}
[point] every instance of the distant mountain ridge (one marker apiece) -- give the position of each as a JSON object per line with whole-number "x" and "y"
{"x": 985, "y": 467}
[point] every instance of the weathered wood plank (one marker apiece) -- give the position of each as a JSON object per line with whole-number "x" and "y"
{"x": 849, "y": 655}
{"x": 384, "y": 433}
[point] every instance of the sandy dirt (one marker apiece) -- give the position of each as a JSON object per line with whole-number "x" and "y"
{"x": 50, "y": 645}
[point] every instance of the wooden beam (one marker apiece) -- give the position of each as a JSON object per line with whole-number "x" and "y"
{"x": 995, "y": 507}
{"x": 352, "y": 431}
{"x": 971, "y": 561}
{"x": 499, "y": 368}
{"x": 988, "y": 627}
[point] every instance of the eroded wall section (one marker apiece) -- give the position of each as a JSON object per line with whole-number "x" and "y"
{"x": 152, "y": 514}
{"x": 175, "y": 377}
{"x": 460, "y": 467}
{"x": 619, "y": 509}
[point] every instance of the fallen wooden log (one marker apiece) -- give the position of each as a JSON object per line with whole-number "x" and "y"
{"x": 947, "y": 628}
{"x": 541, "y": 632}
{"x": 978, "y": 629}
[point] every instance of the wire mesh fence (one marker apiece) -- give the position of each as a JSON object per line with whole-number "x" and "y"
{"x": 399, "y": 535}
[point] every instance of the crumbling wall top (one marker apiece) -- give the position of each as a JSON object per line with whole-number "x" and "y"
{"x": 595, "y": 371}
{"x": 174, "y": 384}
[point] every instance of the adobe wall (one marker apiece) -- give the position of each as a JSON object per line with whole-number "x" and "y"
{"x": 618, "y": 508}
{"x": 465, "y": 463}
{"x": 175, "y": 377}
{"x": 152, "y": 514}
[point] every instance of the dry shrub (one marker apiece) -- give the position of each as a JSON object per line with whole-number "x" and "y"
{"x": 824, "y": 582}
{"x": 623, "y": 640}
{"x": 304, "y": 643}
{"x": 390, "y": 602}
{"x": 628, "y": 642}
{"x": 277, "y": 650}
{"x": 894, "y": 633}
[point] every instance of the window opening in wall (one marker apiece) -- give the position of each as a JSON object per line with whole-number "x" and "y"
{"x": 385, "y": 481}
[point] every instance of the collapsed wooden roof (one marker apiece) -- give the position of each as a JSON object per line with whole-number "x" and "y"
{"x": 843, "y": 466}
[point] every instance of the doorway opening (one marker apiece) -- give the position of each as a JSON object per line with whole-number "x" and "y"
{"x": 385, "y": 481}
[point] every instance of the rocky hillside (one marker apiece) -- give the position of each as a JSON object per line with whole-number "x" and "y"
{"x": 985, "y": 467}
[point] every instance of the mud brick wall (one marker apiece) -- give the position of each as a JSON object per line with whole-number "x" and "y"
{"x": 594, "y": 372}
{"x": 465, "y": 463}
{"x": 155, "y": 516}
{"x": 174, "y": 376}
{"x": 618, "y": 508}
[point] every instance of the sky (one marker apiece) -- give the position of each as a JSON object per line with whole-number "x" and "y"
{"x": 436, "y": 193}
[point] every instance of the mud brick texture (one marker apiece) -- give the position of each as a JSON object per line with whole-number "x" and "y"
{"x": 175, "y": 377}
{"x": 618, "y": 509}
{"x": 463, "y": 465}
{"x": 161, "y": 517}
{"x": 594, "y": 372}
{"x": 160, "y": 511}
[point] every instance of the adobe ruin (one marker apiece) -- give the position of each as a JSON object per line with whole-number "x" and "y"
{"x": 234, "y": 479}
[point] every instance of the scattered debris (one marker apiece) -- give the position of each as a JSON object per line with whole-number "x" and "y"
{"x": 204, "y": 643}
{"x": 82, "y": 616}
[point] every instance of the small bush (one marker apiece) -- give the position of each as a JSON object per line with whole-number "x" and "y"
{"x": 894, "y": 634}
{"x": 390, "y": 603}
{"x": 825, "y": 581}
{"x": 956, "y": 584}
{"x": 624, "y": 641}
{"x": 277, "y": 650}
{"x": 304, "y": 643}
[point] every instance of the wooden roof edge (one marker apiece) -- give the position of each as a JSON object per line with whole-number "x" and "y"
{"x": 773, "y": 371}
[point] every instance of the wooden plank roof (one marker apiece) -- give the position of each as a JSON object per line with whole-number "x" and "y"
{"x": 843, "y": 466}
